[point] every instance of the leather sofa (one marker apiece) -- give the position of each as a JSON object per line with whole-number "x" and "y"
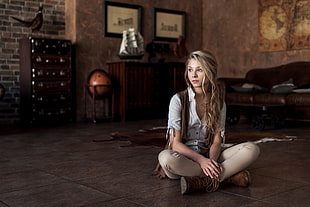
{"x": 284, "y": 85}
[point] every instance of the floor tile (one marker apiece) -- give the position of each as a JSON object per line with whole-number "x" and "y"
{"x": 63, "y": 194}
{"x": 262, "y": 187}
{"x": 114, "y": 203}
{"x": 26, "y": 180}
{"x": 262, "y": 204}
{"x": 296, "y": 197}
{"x": 171, "y": 196}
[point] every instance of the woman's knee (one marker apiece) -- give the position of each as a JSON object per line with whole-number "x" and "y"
{"x": 166, "y": 157}
{"x": 251, "y": 149}
{"x": 162, "y": 156}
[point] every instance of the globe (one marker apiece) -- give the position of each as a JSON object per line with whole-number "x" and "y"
{"x": 99, "y": 83}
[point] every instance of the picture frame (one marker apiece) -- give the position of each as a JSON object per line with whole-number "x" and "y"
{"x": 118, "y": 17}
{"x": 168, "y": 25}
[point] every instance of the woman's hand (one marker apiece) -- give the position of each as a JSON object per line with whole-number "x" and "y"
{"x": 211, "y": 168}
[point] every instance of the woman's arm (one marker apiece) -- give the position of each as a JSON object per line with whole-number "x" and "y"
{"x": 209, "y": 166}
{"x": 215, "y": 149}
{"x": 177, "y": 145}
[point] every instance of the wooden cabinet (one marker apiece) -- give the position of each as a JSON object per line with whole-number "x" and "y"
{"x": 45, "y": 80}
{"x": 144, "y": 90}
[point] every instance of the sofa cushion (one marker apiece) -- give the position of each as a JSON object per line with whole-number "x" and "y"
{"x": 269, "y": 98}
{"x": 284, "y": 88}
{"x": 300, "y": 99}
{"x": 248, "y": 87}
{"x": 239, "y": 98}
{"x": 302, "y": 89}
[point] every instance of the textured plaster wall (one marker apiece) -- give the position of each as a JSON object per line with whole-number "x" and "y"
{"x": 93, "y": 50}
{"x": 230, "y": 30}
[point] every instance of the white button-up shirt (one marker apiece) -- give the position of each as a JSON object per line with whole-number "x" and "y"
{"x": 196, "y": 131}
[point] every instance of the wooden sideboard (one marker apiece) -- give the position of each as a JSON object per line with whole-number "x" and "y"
{"x": 143, "y": 90}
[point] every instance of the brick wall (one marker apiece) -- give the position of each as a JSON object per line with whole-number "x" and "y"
{"x": 10, "y": 33}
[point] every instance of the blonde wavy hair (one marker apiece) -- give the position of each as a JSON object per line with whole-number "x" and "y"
{"x": 209, "y": 65}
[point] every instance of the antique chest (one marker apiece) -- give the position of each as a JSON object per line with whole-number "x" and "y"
{"x": 46, "y": 92}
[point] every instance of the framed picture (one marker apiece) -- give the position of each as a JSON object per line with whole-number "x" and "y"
{"x": 168, "y": 24}
{"x": 119, "y": 17}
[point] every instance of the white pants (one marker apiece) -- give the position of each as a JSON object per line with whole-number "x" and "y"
{"x": 233, "y": 160}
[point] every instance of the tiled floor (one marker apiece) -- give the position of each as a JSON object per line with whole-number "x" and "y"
{"x": 63, "y": 166}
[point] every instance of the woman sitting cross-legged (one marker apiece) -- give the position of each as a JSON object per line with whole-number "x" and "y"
{"x": 196, "y": 128}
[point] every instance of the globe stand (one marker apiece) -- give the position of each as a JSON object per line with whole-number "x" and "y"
{"x": 99, "y": 87}
{"x": 94, "y": 96}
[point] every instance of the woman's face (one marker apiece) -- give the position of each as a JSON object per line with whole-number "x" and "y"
{"x": 195, "y": 73}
